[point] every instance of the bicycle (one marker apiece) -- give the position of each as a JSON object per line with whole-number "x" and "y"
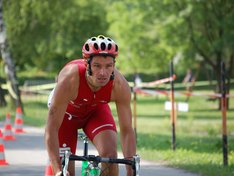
{"x": 90, "y": 163}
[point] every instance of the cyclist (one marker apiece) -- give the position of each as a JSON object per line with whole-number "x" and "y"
{"x": 80, "y": 100}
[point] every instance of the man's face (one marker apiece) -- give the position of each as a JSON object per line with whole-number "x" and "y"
{"x": 102, "y": 68}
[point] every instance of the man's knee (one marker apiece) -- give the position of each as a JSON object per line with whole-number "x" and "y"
{"x": 108, "y": 152}
{"x": 106, "y": 143}
{"x": 108, "y": 148}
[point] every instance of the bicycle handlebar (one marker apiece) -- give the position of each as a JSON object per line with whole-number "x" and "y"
{"x": 135, "y": 163}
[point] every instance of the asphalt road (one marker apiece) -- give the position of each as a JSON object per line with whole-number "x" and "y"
{"x": 27, "y": 157}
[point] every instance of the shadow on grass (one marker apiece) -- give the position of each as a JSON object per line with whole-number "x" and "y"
{"x": 205, "y": 110}
{"x": 153, "y": 116}
{"x": 183, "y": 116}
{"x": 151, "y": 101}
{"x": 208, "y": 116}
{"x": 37, "y": 105}
{"x": 199, "y": 115}
{"x": 208, "y": 169}
{"x": 192, "y": 143}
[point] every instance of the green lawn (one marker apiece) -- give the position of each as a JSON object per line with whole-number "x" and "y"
{"x": 198, "y": 136}
{"x": 198, "y": 132}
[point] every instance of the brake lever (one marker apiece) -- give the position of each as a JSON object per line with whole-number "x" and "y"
{"x": 66, "y": 161}
{"x": 137, "y": 159}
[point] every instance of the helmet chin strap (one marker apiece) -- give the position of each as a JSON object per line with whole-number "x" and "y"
{"x": 112, "y": 77}
{"x": 89, "y": 66}
{"x": 89, "y": 70}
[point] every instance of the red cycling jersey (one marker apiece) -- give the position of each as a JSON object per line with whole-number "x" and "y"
{"x": 87, "y": 100}
{"x": 89, "y": 111}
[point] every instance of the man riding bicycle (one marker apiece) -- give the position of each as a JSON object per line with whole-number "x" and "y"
{"x": 80, "y": 101}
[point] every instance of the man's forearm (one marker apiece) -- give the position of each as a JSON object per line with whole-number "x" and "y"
{"x": 128, "y": 144}
{"x": 52, "y": 144}
{"x": 129, "y": 148}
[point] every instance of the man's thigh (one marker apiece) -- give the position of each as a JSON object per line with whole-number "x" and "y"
{"x": 68, "y": 134}
{"x": 100, "y": 120}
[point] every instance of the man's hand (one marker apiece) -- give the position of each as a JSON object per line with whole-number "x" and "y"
{"x": 129, "y": 171}
{"x": 60, "y": 174}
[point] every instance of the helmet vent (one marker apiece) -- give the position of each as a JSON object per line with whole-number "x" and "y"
{"x": 93, "y": 38}
{"x": 87, "y": 47}
{"x": 103, "y": 46}
{"x": 101, "y": 37}
{"x": 116, "y": 48}
{"x": 109, "y": 46}
{"x": 109, "y": 39}
{"x": 95, "y": 46}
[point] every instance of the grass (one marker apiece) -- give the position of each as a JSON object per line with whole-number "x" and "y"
{"x": 198, "y": 132}
{"x": 198, "y": 136}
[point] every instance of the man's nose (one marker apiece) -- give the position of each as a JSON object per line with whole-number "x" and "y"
{"x": 102, "y": 71}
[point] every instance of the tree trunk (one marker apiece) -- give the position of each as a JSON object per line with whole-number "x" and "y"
{"x": 3, "y": 102}
{"x": 218, "y": 78}
{"x": 9, "y": 65}
{"x": 13, "y": 87}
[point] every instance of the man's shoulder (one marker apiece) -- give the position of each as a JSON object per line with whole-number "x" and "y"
{"x": 70, "y": 70}
{"x": 119, "y": 77}
{"x": 76, "y": 65}
{"x": 120, "y": 82}
{"x": 76, "y": 61}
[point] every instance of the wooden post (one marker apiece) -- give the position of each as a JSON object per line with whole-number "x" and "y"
{"x": 224, "y": 117}
{"x": 172, "y": 108}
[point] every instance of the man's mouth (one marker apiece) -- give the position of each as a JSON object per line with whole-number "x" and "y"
{"x": 101, "y": 79}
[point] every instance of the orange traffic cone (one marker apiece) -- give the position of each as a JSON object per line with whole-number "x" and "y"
{"x": 48, "y": 170}
{"x": 8, "y": 134}
{"x": 18, "y": 121}
{"x": 2, "y": 155}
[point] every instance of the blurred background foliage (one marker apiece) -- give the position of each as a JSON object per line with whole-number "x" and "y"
{"x": 195, "y": 34}
{"x": 43, "y": 35}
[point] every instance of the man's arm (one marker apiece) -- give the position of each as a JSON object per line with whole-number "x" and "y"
{"x": 122, "y": 94}
{"x": 65, "y": 90}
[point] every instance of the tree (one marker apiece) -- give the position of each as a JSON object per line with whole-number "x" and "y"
{"x": 210, "y": 30}
{"x": 44, "y": 34}
{"x": 195, "y": 33}
{"x": 141, "y": 36}
{"x": 9, "y": 66}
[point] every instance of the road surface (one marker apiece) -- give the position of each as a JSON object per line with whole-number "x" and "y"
{"x": 27, "y": 157}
